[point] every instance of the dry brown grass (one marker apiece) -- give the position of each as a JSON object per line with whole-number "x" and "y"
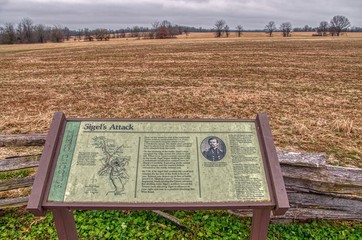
{"x": 311, "y": 87}
{"x": 20, "y": 192}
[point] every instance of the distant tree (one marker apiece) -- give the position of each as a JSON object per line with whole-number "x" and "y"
{"x": 79, "y": 34}
{"x": 270, "y": 28}
{"x": 178, "y": 30}
{"x": 298, "y": 29}
{"x": 41, "y": 33}
{"x": 356, "y": 29}
{"x": 239, "y": 28}
{"x": 135, "y": 32}
{"x": 27, "y": 30}
{"x": 20, "y": 34}
{"x": 227, "y": 30}
{"x": 219, "y": 27}
{"x": 57, "y": 34}
{"x": 67, "y": 33}
{"x": 286, "y": 29}
{"x": 88, "y": 36}
{"x": 323, "y": 28}
{"x": 174, "y": 31}
{"x": 339, "y": 24}
{"x": 332, "y": 30}
{"x": 101, "y": 34}
{"x": 164, "y": 30}
{"x": 143, "y": 32}
{"x": 155, "y": 25}
{"x": 307, "y": 28}
{"x": 122, "y": 34}
{"x": 7, "y": 34}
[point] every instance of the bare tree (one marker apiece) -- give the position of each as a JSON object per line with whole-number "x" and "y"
{"x": 174, "y": 31}
{"x": 25, "y": 31}
{"x": 339, "y": 24}
{"x": 219, "y": 26}
{"x": 88, "y": 36}
{"x": 135, "y": 32}
{"x": 8, "y": 34}
{"x": 57, "y": 34}
{"x": 239, "y": 28}
{"x": 152, "y": 33}
{"x": 79, "y": 34}
{"x": 101, "y": 34}
{"x": 307, "y": 28}
{"x": 67, "y": 33}
{"x": 286, "y": 29}
{"x": 356, "y": 29}
{"x": 323, "y": 28}
{"x": 227, "y": 30}
{"x": 20, "y": 34}
{"x": 270, "y": 28}
{"x": 41, "y": 33}
{"x": 122, "y": 34}
{"x": 162, "y": 32}
{"x": 28, "y": 29}
{"x": 165, "y": 30}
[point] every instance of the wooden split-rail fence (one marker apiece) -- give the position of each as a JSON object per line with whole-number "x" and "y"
{"x": 315, "y": 189}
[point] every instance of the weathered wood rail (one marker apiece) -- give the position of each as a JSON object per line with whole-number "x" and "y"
{"x": 315, "y": 189}
{"x": 22, "y": 140}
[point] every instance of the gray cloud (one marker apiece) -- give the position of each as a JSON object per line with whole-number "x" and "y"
{"x": 118, "y": 14}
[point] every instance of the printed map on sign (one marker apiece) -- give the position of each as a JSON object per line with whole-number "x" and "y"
{"x": 113, "y": 164}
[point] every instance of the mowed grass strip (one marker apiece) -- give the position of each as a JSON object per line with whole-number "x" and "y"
{"x": 311, "y": 88}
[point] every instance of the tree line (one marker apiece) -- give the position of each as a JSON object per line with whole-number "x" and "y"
{"x": 159, "y": 30}
{"x": 28, "y": 32}
{"x": 335, "y": 27}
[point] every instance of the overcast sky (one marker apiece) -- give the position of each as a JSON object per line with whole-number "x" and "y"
{"x": 112, "y": 14}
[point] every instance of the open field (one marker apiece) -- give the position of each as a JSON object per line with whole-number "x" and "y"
{"x": 311, "y": 87}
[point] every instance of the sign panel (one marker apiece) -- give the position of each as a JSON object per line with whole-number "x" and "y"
{"x": 149, "y": 162}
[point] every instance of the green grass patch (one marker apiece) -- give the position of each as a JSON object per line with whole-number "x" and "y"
{"x": 16, "y": 224}
{"x": 16, "y": 174}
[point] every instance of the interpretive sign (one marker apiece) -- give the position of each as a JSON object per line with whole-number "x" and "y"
{"x": 157, "y": 164}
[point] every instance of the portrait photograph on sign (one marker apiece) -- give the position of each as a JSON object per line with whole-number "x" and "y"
{"x": 213, "y": 148}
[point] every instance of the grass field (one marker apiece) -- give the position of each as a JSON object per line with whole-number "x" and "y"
{"x": 311, "y": 87}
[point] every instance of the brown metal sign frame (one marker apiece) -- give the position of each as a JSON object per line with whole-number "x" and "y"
{"x": 63, "y": 212}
